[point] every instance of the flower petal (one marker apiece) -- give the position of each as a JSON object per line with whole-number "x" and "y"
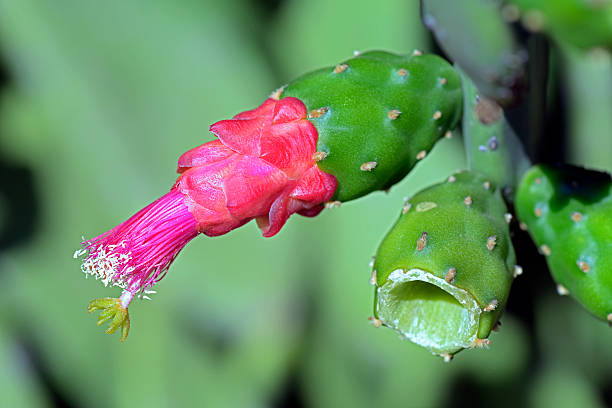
{"x": 205, "y": 197}
{"x": 242, "y": 136}
{"x": 207, "y": 153}
{"x": 289, "y": 110}
{"x": 252, "y": 186}
{"x": 315, "y": 186}
{"x": 289, "y": 147}
{"x": 265, "y": 109}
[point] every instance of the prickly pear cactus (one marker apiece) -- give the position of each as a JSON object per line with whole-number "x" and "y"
{"x": 377, "y": 114}
{"x": 443, "y": 272}
{"x": 567, "y": 212}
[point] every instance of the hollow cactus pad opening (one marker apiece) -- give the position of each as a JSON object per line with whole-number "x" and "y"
{"x": 428, "y": 311}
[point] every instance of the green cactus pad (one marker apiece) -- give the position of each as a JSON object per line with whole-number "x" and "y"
{"x": 583, "y": 23}
{"x": 443, "y": 272}
{"x": 377, "y": 114}
{"x": 568, "y": 213}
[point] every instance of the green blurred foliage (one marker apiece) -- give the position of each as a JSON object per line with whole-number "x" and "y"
{"x": 104, "y": 97}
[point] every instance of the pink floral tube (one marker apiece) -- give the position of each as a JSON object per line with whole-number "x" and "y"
{"x": 262, "y": 167}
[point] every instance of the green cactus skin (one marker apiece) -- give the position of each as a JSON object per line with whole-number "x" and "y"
{"x": 377, "y": 115}
{"x": 477, "y": 38}
{"x": 568, "y": 213}
{"x": 443, "y": 272}
{"x": 582, "y": 23}
{"x": 491, "y": 146}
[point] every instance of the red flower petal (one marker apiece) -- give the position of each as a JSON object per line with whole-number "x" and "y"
{"x": 265, "y": 109}
{"x": 252, "y": 187}
{"x": 207, "y": 153}
{"x": 261, "y": 167}
{"x": 315, "y": 186}
{"x": 290, "y": 146}
{"x": 242, "y": 136}
{"x": 289, "y": 110}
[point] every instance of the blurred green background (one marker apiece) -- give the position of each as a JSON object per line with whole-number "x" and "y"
{"x": 99, "y": 99}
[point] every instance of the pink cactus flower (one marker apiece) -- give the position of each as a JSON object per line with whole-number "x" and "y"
{"x": 261, "y": 167}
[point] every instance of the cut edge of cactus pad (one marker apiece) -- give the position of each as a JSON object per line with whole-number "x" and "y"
{"x": 429, "y": 311}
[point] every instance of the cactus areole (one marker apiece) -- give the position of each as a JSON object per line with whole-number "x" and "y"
{"x": 443, "y": 272}
{"x": 377, "y": 115}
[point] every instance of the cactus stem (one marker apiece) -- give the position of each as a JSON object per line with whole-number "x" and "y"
{"x": 276, "y": 94}
{"x": 508, "y": 218}
{"x": 437, "y": 115}
{"x": 562, "y": 290}
{"x": 317, "y": 113}
{"x": 452, "y": 179}
{"x": 486, "y": 185}
{"x": 442, "y": 81}
{"x": 491, "y": 146}
{"x": 421, "y": 155}
{"x": 375, "y": 322}
{"x": 450, "y": 275}
{"x": 545, "y": 250}
{"x": 518, "y": 270}
{"x": 340, "y": 68}
{"x": 417, "y": 52}
{"x": 538, "y": 212}
{"x": 402, "y": 72}
{"x": 394, "y": 114}
{"x": 373, "y": 278}
{"x": 584, "y": 267}
{"x": 576, "y": 216}
{"x": 447, "y": 357}
{"x": 467, "y": 201}
{"x": 491, "y": 242}
{"x": 491, "y": 306}
{"x": 481, "y": 343}
{"x": 332, "y": 204}
{"x": 422, "y": 241}
{"x": 406, "y": 208}
{"x": 368, "y": 166}
{"x": 425, "y": 206}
